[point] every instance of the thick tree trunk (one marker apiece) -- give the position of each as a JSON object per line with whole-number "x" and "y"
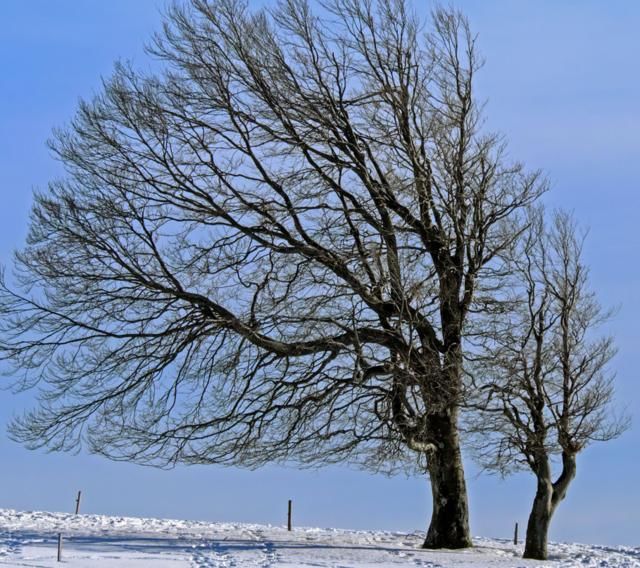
{"x": 449, "y": 527}
{"x": 539, "y": 521}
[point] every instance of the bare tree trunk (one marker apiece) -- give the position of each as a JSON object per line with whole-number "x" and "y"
{"x": 548, "y": 496}
{"x": 539, "y": 521}
{"x": 449, "y": 527}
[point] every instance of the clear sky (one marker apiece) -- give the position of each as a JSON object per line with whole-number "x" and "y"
{"x": 562, "y": 82}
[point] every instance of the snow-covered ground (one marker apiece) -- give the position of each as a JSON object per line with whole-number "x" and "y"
{"x": 30, "y": 539}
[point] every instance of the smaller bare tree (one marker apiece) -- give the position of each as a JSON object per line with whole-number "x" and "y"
{"x": 545, "y": 378}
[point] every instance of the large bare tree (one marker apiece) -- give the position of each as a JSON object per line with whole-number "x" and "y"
{"x": 269, "y": 249}
{"x": 545, "y": 389}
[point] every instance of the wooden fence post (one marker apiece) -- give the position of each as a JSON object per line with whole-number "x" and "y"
{"x": 78, "y": 502}
{"x": 59, "y": 547}
{"x": 289, "y": 517}
{"x": 515, "y": 535}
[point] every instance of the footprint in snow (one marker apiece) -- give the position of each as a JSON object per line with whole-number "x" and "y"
{"x": 211, "y": 555}
{"x": 9, "y": 545}
{"x": 268, "y": 548}
{"x": 271, "y": 556}
{"x": 413, "y": 558}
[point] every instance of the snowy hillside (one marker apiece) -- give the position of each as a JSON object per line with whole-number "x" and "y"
{"x": 30, "y": 539}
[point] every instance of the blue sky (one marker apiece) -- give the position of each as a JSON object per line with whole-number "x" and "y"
{"x": 562, "y": 84}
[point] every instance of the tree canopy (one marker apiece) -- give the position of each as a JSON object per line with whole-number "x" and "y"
{"x": 271, "y": 249}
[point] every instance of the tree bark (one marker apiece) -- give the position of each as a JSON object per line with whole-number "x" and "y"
{"x": 449, "y": 527}
{"x": 539, "y": 521}
{"x": 548, "y": 496}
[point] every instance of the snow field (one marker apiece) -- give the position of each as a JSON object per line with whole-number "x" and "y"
{"x": 29, "y": 539}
